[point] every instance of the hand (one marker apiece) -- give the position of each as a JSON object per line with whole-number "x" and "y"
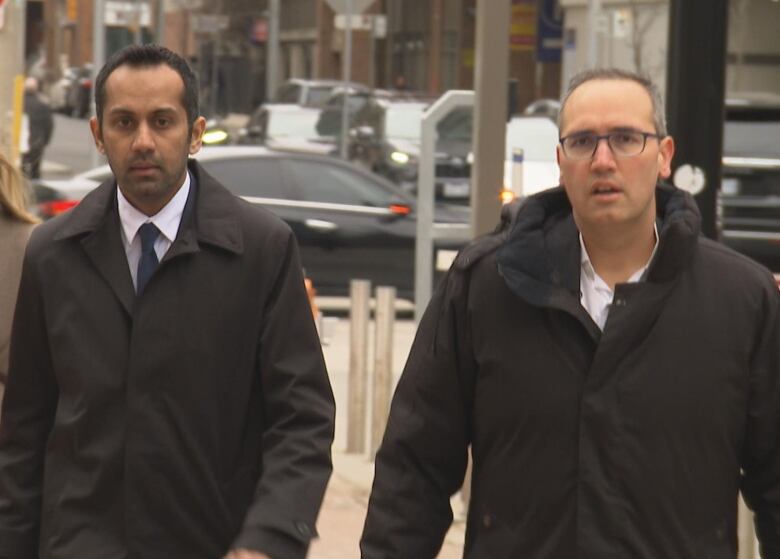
{"x": 245, "y": 554}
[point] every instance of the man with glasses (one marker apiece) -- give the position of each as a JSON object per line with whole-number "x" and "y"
{"x": 615, "y": 374}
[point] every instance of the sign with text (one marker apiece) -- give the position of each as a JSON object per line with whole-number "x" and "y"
{"x": 128, "y": 14}
{"x": 209, "y": 23}
{"x": 522, "y": 31}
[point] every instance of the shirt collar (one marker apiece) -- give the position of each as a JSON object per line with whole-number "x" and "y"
{"x": 590, "y": 272}
{"x": 167, "y": 219}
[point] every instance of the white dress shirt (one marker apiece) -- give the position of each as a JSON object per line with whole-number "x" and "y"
{"x": 167, "y": 220}
{"x": 595, "y": 294}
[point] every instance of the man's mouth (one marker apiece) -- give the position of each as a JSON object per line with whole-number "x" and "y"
{"x": 605, "y": 189}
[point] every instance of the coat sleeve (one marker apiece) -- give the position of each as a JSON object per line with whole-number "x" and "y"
{"x": 299, "y": 419}
{"x": 761, "y": 464}
{"x": 422, "y": 459}
{"x": 27, "y": 416}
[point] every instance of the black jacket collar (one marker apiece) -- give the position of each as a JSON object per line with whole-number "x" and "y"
{"x": 540, "y": 260}
{"x": 212, "y": 221}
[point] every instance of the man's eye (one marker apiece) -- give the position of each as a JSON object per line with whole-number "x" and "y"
{"x": 163, "y": 122}
{"x": 581, "y": 141}
{"x": 123, "y": 122}
{"x": 626, "y": 138}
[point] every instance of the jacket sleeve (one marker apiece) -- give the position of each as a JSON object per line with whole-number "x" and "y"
{"x": 761, "y": 463}
{"x": 299, "y": 419}
{"x": 27, "y": 416}
{"x": 422, "y": 459}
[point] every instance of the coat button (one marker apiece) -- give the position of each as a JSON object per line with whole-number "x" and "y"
{"x": 303, "y": 528}
{"x": 487, "y": 521}
{"x": 720, "y": 533}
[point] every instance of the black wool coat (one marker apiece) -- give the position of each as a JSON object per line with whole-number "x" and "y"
{"x": 185, "y": 421}
{"x": 627, "y": 443}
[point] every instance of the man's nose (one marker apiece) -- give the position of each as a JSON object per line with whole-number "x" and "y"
{"x": 603, "y": 156}
{"x": 143, "y": 140}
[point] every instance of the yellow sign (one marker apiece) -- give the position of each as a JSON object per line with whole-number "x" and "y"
{"x": 522, "y": 33}
{"x": 73, "y": 10}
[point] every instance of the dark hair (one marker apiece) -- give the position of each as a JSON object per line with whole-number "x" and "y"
{"x": 139, "y": 56}
{"x": 659, "y": 116}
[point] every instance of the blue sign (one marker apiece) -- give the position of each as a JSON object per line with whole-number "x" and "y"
{"x": 549, "y": 35}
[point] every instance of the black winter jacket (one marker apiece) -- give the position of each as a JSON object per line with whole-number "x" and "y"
{"x": 631, "y": 443}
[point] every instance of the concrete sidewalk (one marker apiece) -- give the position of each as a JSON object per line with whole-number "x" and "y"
{"x": 344, "y": 509}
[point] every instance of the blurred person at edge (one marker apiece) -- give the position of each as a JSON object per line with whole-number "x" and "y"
{"x": 167, "y": 394}
{"x": 16, "y": 224}
{"x": 615, "y": 373}
{"x": 41, "y": 126}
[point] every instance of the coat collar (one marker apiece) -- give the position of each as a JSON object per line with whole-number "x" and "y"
{"x": 540, "y": 260}
{"x": 210, "y": 218}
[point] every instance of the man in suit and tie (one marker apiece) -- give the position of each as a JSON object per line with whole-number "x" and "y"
{"x": 167, "y": 395}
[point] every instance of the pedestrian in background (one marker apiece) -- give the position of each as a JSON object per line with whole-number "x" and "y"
{"x": 16, "y": 224}
{"x": 40, "y": 128}
{"x": 167, "y": 395}
{"x": 616, "y": 374}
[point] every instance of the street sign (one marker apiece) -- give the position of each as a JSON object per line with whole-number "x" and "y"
{"x": 356, "y": 22}
{"x": 128, "y": 14}
{"x": 209, "y": 23}
{"x": 380, "y": 26}
{"x": 358, "y": 6}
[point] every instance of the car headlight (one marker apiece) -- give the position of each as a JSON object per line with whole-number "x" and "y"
{"x": 400, "y": 157}
{"x": 216, "y": 136}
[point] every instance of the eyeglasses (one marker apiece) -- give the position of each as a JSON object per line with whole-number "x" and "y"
{"x": 623, "y": 143}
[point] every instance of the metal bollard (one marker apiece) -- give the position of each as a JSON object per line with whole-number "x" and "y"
{"x": 360, "y": 291}
{"x": 383, "y": 363}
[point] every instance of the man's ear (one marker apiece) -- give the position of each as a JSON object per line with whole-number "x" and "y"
{"x": 97, "y": 136}
{"x": 665, "y": 155}
{"x": 196, "y": 138}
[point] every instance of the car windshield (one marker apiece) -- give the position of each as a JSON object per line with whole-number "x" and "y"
{"x": 293, "y": 124}
{"x": 404, "y": 121}
{"x": 318, "y": 96}
{"x": 536, "y": 136}
{"x": 456, "y": 126}
{"x": 752, "y": 134}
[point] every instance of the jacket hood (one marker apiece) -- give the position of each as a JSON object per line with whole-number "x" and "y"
{"x": 540, "y": 259}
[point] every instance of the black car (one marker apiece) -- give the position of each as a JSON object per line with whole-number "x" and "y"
{"x": 749, "y": 197}
{"x": 385, "y": 138}
{"x": 349, "y": 223}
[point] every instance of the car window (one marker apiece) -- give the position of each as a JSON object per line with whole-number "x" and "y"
{"x": 322, "y": 182}
{"x": 289, "y": 93}
{"x": 457, "y": 125}
{"x": 245, "y": 176}
{"x": 293, "y": 124}
{"x": 318, "y": 96}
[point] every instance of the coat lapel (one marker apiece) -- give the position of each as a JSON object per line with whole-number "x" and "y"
{"x": 95, "y": 221}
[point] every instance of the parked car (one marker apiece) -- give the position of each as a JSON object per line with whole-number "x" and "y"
{"x": 287, "y": 127}
{"x": 349, "y": 223}
{"x": 385, "y": 138}
{"x": 310, "y": 93}
{"x": 544, "y": 107}
{"x": 749, "y": 197}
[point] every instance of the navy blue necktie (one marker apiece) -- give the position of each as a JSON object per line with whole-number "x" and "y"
{"x": 148, "y": 262}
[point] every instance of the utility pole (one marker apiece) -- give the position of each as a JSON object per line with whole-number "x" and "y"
{"x": 490, "y": 83}
{"x": 98, "y": 56}
{"x": 272, "y": 52}
{"x": 11, "y": 74}
{"x": 160, "y": 22}
{"x": 594, "y": 13}
{"x": 346, "y": 69}
{"x": 696, "y": 78}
